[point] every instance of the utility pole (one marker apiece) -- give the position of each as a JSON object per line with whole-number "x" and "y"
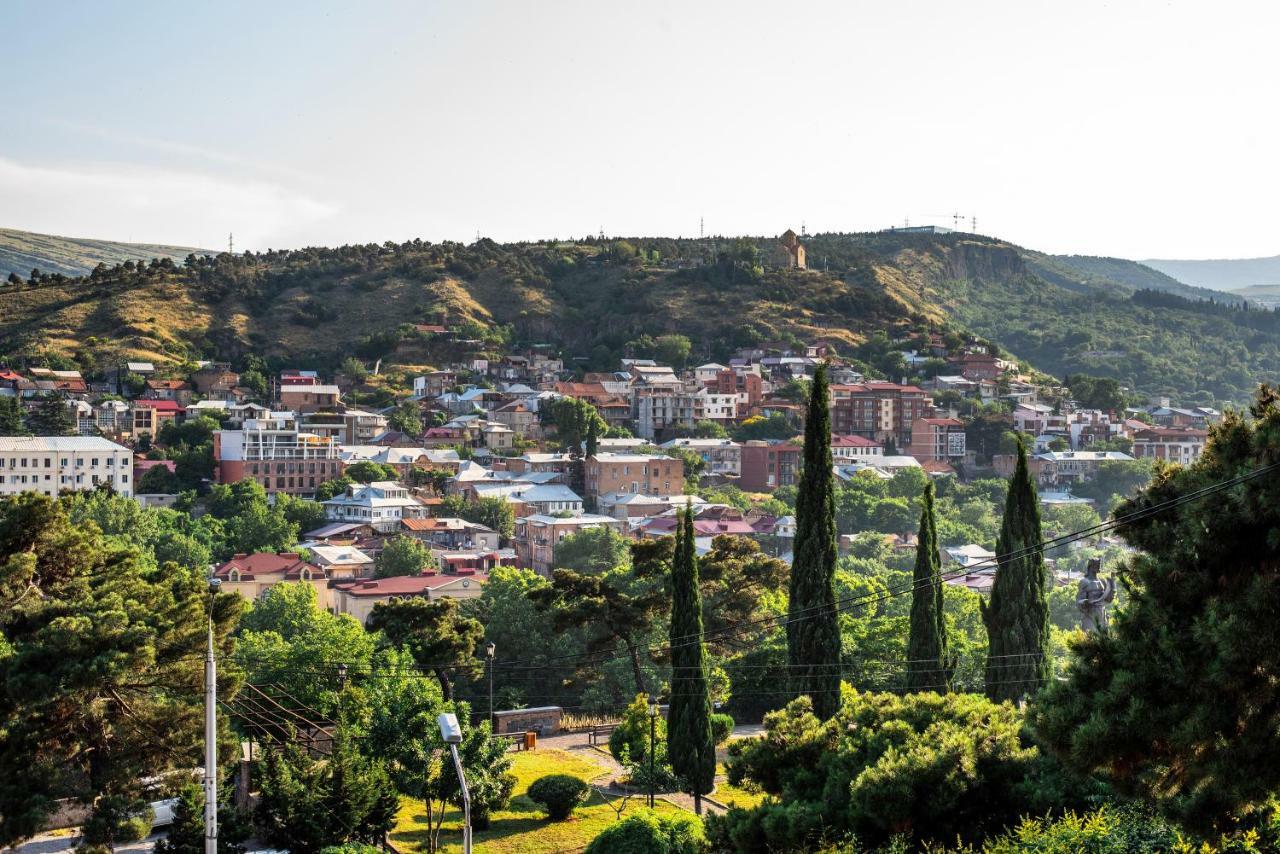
{"x": 211, "y": 736}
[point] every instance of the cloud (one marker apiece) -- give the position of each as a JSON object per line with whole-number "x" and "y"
{"x": 150, "y": 205}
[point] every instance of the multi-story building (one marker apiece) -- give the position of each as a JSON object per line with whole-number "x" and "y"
{"x": 658, "y": 408}
{"x": 854, "y": 448}
{"x": 1059, "y": 468}
{"x": 878, "y": 410}
{"x": 769, "y": 465}
{"x": 345, "y": 426}
{"x": 633, "y": 473}
{"x": 722, "y": 456}
{"x": 50, "y": 464}
{"x": 309, "y": 397}
{"x": 150, "y": 415}
{"x": 937, "y": 439}
{"x": 1175, "y": 444}
{"x": 536, "y": 537}
{"x": 713, "y": 406}
{"x": 275, "y": 452}
{"x": 381, "y": 504}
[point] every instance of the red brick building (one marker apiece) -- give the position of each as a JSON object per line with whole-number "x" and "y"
{"x": 765, "y": 466}
{"x": 878, "y": 410}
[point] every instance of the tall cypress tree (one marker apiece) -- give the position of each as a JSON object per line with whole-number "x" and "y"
{"x": 1017, "y": 616}
{"x": 927, "y": 661}
{"x": 691, "y": 746}
{"x": 813, "y": 627}
{"x": 593, "y": 440}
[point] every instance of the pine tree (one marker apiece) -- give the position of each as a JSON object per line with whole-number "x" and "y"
{"x": 11, "y": 417}
{"x": 52, "y": 418}
{"x": 927, "y": 660}
{"x": 690, "y": 744}
{"x": 813, "y": 627}
{"x": 1017, "y": 616}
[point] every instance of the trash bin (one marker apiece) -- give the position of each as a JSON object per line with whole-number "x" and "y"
{"x": 530, "y": 740}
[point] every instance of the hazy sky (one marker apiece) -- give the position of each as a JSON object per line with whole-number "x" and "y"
{"x": 1138, "y": 129}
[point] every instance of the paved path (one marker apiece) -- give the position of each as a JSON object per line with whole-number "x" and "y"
{"x": 608, "y": 785}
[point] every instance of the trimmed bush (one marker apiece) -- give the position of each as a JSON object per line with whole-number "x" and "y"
{"x": 632, "y": 733}
{"x": 721, "y": 727}
{"x": 648, "y": 833}
{"x": 559, "y": 794}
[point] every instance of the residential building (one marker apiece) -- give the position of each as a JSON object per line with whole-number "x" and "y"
{"x": 876, "y": 410}
{"x": 720, "y": 456}
{"x": 769, "y": 465}
{"x": 251, "y": 575}
{"x": 215, "y": 379}
{"x": 608, "y": 472}
{"x": 179, "y": 390}
{"x": 1058, "y": 468}
{"x": 536, "y": 537}
{"x": 149, "y": 416}
{"x": 381, "y": 504}
{"x": 50, "y": 464}
{"x": 309, "y": 397}
{"x": 641, "y": 506}
{"x": 358, "y": 598}
{"x": 274, "y": 452}
{"x": 850, "y": 448}
{"x": 342, "y": 561}
{"x": 345, "y": 426}
{"x": 1182, "y": 445}
{"x": 937, "y": 439}
{"x": 450, "y": 533}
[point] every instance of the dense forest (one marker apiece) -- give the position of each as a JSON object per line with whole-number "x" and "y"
{"x": 590, "y": 299}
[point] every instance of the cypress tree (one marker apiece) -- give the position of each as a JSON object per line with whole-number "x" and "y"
{"x": 592, "y": 439}
{"x": 927, "y": 661}
{"x": 1017, "y": 616}
{"x": 691, "y": 746}
{"x": 813, "y": 627}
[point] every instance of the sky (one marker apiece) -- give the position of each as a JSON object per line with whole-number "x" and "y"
{"x": 1130, "y": 128}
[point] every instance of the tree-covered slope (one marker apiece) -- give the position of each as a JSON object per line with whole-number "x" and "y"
{"x": 590, "y": 299}
{"x": 23, "y": 251}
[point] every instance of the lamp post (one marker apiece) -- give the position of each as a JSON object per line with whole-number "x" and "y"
{"x": 451, "y": 733}
{"x": 211, "y": 735}
{"x": 653, "y": 739}
{"x": 489, "y": 651}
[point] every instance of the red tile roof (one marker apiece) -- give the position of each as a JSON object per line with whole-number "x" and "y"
{"x": 290, "y": 564}
{"x": 405, "y": 585}
{"x": 160, "y": 405}
{"x": 851, "y": 441}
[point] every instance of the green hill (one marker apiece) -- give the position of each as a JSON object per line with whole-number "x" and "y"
{"x": 22, "y": 251}
{"x": 594, "y": 300}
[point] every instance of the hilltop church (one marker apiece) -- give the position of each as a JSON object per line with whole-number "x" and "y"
{"x": 789, "y": 252}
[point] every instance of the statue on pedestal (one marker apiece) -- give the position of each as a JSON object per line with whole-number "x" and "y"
{"x": 1092, "y": 597}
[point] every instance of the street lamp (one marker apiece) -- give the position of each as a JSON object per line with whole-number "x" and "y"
{"x": 653, "y": 738}
{"x": 489, "y": 651}
{"x": 451, "y": 734}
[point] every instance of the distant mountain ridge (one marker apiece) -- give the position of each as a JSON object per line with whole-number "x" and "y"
{"x": 23, "y": 251}
{"x": 1226, "y": 274}
{"x": 1094, "y": 270}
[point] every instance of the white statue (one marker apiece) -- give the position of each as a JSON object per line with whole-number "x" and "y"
{"x": 1092, "y": 597}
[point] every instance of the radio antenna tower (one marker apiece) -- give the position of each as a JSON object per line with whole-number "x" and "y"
{"x": 973, "y": 224}
{"x": 803, "y": 233}
{"x": 956, "y": 218}
{"x": 702, "y": 231}
{"x": 231, "y": 244}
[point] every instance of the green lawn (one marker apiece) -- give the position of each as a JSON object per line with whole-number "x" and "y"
{"x": 734, "y": 796}
{"x": 522, "y": 826}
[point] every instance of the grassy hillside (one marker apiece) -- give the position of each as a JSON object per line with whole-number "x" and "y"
{"x": 1227, "y": 274}
{"x": 22, "y": 251}
{"x": 591, "y": 300}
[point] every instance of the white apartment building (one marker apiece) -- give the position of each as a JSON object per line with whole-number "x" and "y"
{"x": 273, "y": 451}
{"x": 381, "y": 504}
{"x": 50, "y": 464}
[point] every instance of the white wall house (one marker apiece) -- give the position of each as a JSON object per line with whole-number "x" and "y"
{"x": 50, "y": 464}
